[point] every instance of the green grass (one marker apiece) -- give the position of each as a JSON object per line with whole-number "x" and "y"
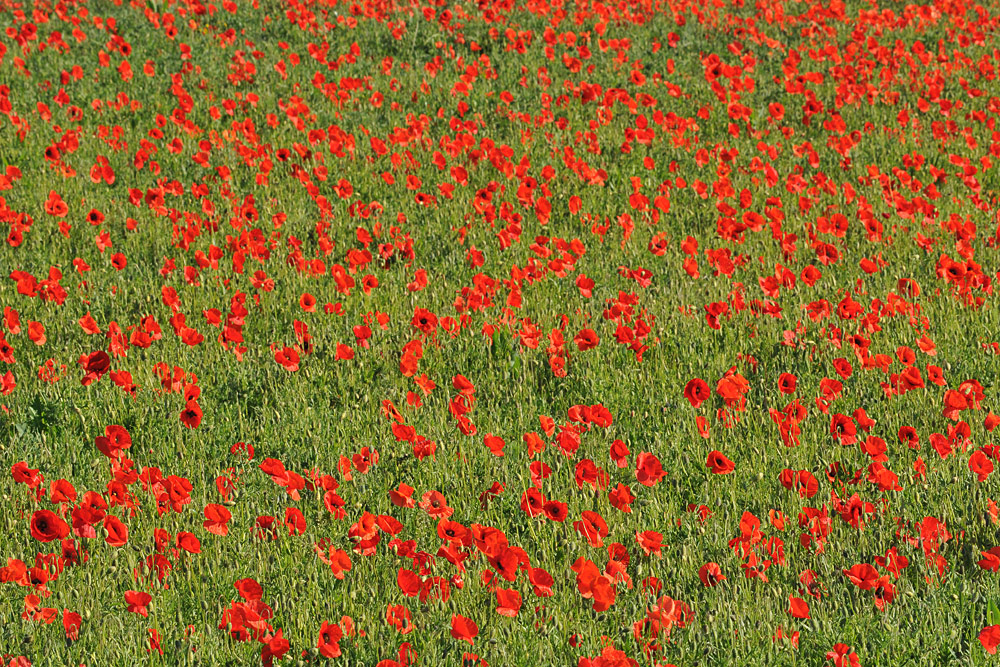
{"x": 328, "y": 410}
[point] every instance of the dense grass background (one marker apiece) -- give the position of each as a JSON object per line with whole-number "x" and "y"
{"x": 329, "y": 408}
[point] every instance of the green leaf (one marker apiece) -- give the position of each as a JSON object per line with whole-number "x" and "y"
{"x": 992, "y": 614}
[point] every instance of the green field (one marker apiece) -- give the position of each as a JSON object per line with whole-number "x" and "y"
{"x": 586, "y": 334}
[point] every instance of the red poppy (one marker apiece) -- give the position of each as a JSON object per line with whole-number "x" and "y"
{"x": 402, "y": 496}
{"x": 155, "y": 641}
{"x": 338, "y": 560}
{"x": 719, "y": 464}
{"x": 863, "y": 575}
{"x": 188, "y": 542}
{"x": 71, "y": 624}
{"x": 398, "y": 616}
{"x": 621, "y": 498}
{"x": 532, "y": 502}
{"x": 464, "y": 629}
{"x": 435, "y": 504}
{"x": 249, "y": 589}
{"x": 117, "y": 532}
{"x": 696, "y": 391}
{"x": 650, "y": 541}
{"x": 711, "y": 574}
{"x": 307, "y": 302}
{"x": 46, "y": 526}
{"x": 508, "y": 602}
{"x": 989, "y": 637}
{"x": 61, "y": 491}
{"x": 287, "y": 358}
{"x": 495, "y": 444}
{"x": 648, "y": 471}
{"x": 586, "y": 339}
{"x": 980, "y": 465}
{"x": 115, "y": 440}
{"x": 555, "y": 510}
{"x": 275, "y": 648}
{"x": 843, "y": 655}
{"x": 217, "y": 520}
{"x": 138, "y": 602}
{"x": 593, "y": 527}
{"x": 191, "y": 414}
{"x": 798, "y": 607}
{"x": 842, "y": 428}
{"x": 787, "y": 383}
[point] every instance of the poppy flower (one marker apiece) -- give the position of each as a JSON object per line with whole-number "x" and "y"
{"x": 402, "y": 496}
{"x": 464, "y": 629}
{"x": 696, "y": 391}
{"x": 248, "y": 589}
{"x": 217, "y": 519}
{"x": 843, "y": 655}
{"x": 787, "y": 383}
{"x": 46, "y": 526}
{"x": 908, "y": 435}
{"x": 536, "y": 445}
{"x": 843, "y": 430}
{"x": 621, "y": 498}
{"x": 307, "y": 302}
{"x": 55, "y": 206}
{"x": 505, "y": 561}
{"x": 117, "y": 532}
{"x": 287, "y": 358}
{"x": 719, "y": 464}
{"x": 508, "y": 602}
{"x": 533, "y": 502}
{"x": 650, "y": 541}
{"x": 95, "y": 364}
{"x": 990, "y": 560}
{"x": 711, "y": 574}
{"x": 61, "y": 491}
{"x": 555, "y": 511}
{"x": 593, "y": 527}
{"x": 435, "y": 504}
{"x": 115, "y": 440}
{"x": 648, "y": 471}
{"x": 885, "y": 592}
{"x": 71, "y": 622}
{"x": 798, "y": 607}
{"x": 541, "y": 581}
{"x": 398, "y": 616}
{"x": 980, "y": 465}
{"x": 619, "y": 453}
{"x": 540, "y": 471}
{"x": 991, "y": 422}
{"x": 843, "y": 367}
{"x": 989, "y": 637}
{"x": 275, "y": 648}
{"x": 586, "y": 339}
{"x": 138, "y": 602}
{"x": 191, "y": 415}
{"x": 36, "y": 332}
{"x": 451, "y": 531}
{"x": 495, "y": 444}
{"x": 863, "y": 575}
{"x": 155, "y": 641}
{"x": 188, "y": 542}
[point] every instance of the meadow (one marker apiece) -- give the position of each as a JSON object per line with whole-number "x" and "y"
{"x": 601, "y": 333}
